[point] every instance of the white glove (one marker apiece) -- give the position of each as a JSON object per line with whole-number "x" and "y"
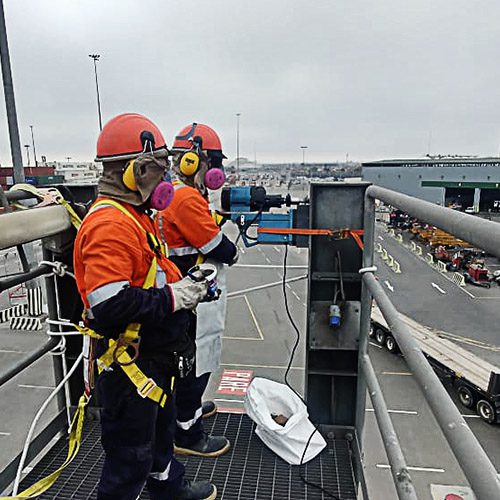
{"x": 186, "y": 293}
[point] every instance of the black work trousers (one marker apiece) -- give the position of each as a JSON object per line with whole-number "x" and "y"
{"x": 137, "y": 437}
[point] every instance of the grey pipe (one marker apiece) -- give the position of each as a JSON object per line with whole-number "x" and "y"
{"x": 473, "y": 460}
{"x": 28, "y": 360}
{"x": 481, "y": 233}
{"x": 30, "y": 225}
{"x": 399, "y": 470}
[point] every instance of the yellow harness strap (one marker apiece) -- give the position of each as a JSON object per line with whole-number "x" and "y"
{"x": 48, "y": 197}
{"x": 75, "y": 438}
{"x": 117, "y": 349}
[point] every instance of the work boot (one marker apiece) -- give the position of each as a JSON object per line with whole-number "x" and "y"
{"x": 208, "y": 408}
{"x": 196, "y": 490}
{"x": 207, "y": 446}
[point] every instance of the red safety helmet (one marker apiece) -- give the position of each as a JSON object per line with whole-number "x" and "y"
{"x": 206, "y": 137}
{"x": 128, "y": 135}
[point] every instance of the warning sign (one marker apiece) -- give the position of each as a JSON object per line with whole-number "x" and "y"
{"x": 235, "y": 382}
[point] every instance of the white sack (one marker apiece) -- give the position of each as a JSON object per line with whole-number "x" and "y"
{"x": 265, "y": 397}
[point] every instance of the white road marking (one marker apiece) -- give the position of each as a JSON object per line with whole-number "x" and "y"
{"x": 403, "y": 374}
{"x": 242, "y": 250}
{"x": 470, "y": 416}
{"x": 487, "y": 298}
{"x": 239, "y": 293}
{"x": 375, "y": 345}
{"x": 304, "y": 304}
{"x": 267, "y": 266}
{"x": 8, "y": 351}
{"x": 295, "y": 295}
{"x": 29, "y": 386}
{"x": 4, "y": 433}
{"x": 389, "y": 286}
{"x": 268, "y": 260}
{"x": 254, "y": 318}
{"x": 277, "y": 249}
{"x": 416, "y": 469}
{"x": 274, "y": 367}
{"x": 397, "y": 412}
{"x": 438, "y": 288}
{"x": 288, "y": 286}
{"x": 260, "y": 250}
{"x": 380, "y": 238}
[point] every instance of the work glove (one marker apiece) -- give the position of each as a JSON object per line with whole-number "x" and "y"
{"x": 187, "y": 293}
{"x": 236, "y": 256}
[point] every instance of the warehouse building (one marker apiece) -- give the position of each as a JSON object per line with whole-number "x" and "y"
{"x": 466, "y": 183}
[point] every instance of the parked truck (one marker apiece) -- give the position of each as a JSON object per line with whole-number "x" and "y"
{"x": 476, "y": 382}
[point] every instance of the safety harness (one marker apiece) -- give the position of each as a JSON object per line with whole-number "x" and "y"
{"x": 117, "y": 349}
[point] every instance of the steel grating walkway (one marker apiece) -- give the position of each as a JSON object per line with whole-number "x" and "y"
{"x": 250, "y": 471}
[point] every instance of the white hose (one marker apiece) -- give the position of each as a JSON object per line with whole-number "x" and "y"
{"x": 35, "y": 422}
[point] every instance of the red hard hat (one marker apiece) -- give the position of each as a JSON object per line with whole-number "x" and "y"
{"x": 209, "y": 139}
{"x": 127, "y": 136}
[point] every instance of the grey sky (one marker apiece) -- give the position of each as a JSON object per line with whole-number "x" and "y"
{"x": 375, "y": 79}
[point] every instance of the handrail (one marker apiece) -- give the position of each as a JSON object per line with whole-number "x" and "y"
{"x": 28, "y": 360}
{"x": 33, "y": 224}
{"x": 473, "y": 460}
{"x": 482, "y": 233}
{"x": 399, "y": 469}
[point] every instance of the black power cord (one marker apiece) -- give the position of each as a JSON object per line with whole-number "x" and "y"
{"x": 290, "y": 361}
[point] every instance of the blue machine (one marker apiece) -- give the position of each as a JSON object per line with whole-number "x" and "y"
{"x": 249, "y": 206}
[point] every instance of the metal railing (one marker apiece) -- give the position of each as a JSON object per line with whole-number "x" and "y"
{"x": 17, "y": 228}
{"x": 476, "y": 465}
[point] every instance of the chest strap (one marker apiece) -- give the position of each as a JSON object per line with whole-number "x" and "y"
{"x": 117, "y": 349}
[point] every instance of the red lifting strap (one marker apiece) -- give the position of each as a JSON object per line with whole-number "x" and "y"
{"x": 338, "y": 233}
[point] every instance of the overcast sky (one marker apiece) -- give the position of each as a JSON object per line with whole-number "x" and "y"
{"x": 375, "y": 79}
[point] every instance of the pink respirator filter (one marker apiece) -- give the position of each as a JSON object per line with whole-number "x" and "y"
{"x": 214, "y": 178}
{"x": 162, "y": 196}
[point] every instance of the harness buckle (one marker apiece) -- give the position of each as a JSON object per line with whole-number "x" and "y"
{"x": 146, "y": 388}
{"x": 121, "y": 345}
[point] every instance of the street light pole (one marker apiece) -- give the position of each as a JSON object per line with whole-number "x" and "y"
{"x": 10, "y": 103}
{"x": 303, "y": 154}
{"x": 33, "y": 141}
{"x": 27, "y": 146}
{"x": 238, "y": 144}
{"x": 96, "y": 57}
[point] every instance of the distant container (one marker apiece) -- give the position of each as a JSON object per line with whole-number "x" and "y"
{"x": 50, "y": 179}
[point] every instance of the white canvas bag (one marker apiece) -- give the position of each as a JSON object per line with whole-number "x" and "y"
{"x": 265, "y": 397}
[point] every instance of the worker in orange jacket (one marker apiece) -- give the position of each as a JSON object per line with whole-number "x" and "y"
{"x": 193, "y": 236}
{"x": 138, "y": 304}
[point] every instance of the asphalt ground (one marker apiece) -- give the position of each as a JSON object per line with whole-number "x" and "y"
{"x": 258, "y": 341}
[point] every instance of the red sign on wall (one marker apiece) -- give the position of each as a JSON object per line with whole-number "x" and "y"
{"x": 235, "y": 382}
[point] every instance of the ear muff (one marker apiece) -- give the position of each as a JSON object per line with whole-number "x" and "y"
{"x": 128, "y": 176}
{"x": 189, "y": 163}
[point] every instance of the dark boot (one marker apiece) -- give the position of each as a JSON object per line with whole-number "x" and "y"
{"x": 196, "y": 490}
{"x": 207, "y": 446}
{"x": 208, "y": 408}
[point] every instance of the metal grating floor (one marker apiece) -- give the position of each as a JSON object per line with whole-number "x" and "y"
{"x": 250, "y": 471}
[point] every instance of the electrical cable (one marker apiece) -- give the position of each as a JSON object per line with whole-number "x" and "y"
{"x": 243, "y": 230}
{"x": 289, "y": 366}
